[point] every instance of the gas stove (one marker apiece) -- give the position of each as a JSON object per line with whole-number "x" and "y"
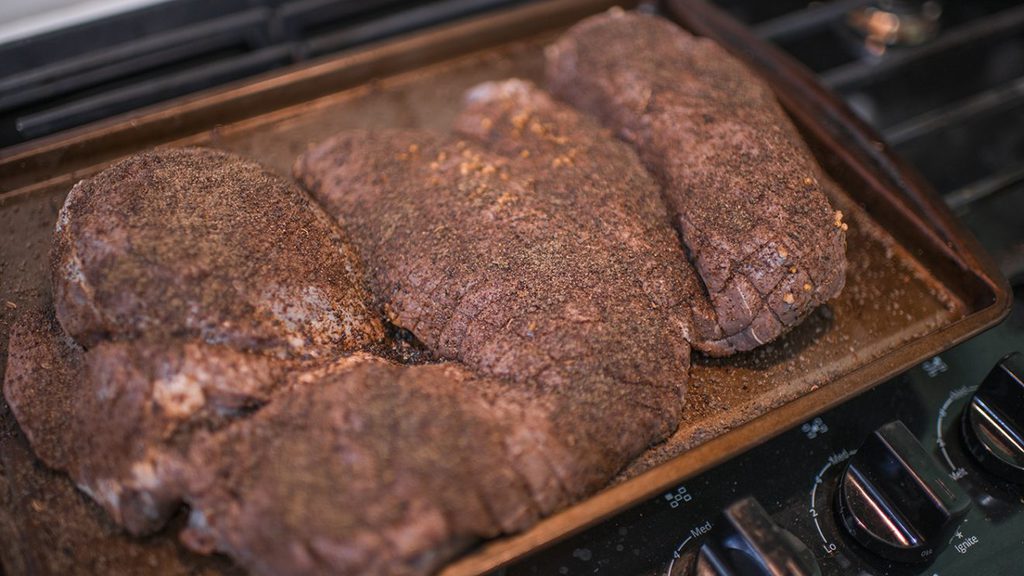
{"x": 924, "y": 474}
{"x": 920, "y": 475}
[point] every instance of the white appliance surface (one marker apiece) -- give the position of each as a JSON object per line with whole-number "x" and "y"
{"x": 24, "y": 18}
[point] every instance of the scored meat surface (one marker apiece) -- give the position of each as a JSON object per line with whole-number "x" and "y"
{"x": 744, "y": 189}
{"x": 518, "y": 120}
{"x": 535, "y": 272}
{"x": 372, "y": 468}
{"x": 213, "y": 247}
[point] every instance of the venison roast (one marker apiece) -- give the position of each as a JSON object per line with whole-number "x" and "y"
{"x": 533, "y": 267}
{"x": 213, "y": 247}
{"x": 372, "y": 468}
{"x": 745, "y": 191}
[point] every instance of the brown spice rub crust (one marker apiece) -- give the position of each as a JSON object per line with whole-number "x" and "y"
{"x": 427, "y": 459}
{"x": 200, "y": 244}
{"x": 518, "y": 120}
{"x": 745, "y": 190}
{"x": 488, "y": 262}
{"x": 119, "y": 419}
{"x": 44, "y": 366}
{"x": 372, "y": 468}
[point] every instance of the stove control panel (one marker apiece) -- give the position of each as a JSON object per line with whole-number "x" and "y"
{"x": 920, "y": 476}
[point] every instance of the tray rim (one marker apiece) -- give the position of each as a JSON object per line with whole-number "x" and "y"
{"x": 82, "y": 150}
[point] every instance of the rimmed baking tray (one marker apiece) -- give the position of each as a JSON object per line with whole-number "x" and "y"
{"x": 917, "y": 284}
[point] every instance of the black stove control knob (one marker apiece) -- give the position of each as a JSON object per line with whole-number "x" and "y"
{"x": 993, "y": 422}
{"x": 896, "y": 500}
{"x": 747, "y": 542}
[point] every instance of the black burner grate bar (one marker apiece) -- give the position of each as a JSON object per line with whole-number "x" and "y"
{"x": 398, "y": 23}
{"x": 63, "y": 44}
{"x": 297, "y": 19}
{"x": 970, "y": 150}
{"x": 851, "y": 76}
{"x": 136, "y": 95}
{"x": 122, "y": 61}
{"x": 985, "y": 103}
{"x": 1004, "y": 181}
{"x": 796, "y": 24}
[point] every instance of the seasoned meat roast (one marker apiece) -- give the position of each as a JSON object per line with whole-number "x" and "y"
{"x": 463, "y": 334}
{"x": 215, "y": 248}
{"x": 313, "y": 460}
{"x": 540, "y": 272}
{"x": 358, "y": 466}
{"x": 192, "y": 278}
{"x": 743, "y": 187}
{"x": 514, "y": 118}
{"x": 368, "y": 467}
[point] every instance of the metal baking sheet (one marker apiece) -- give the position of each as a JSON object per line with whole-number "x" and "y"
{"x": 917, "y": 283}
